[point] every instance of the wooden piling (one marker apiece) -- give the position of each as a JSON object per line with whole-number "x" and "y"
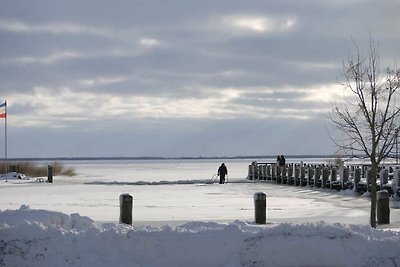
{"x": 344, "y": 177}
{"x": 264, "y": 172}
{"x": 310, "y": 174}
{"x": 333, "y": 177}
{"x": 383, "y": 177}
{"x": 396, "y": 183}
{"x": 268, "y": 170}
{"x": 273, "y": 171}
{"x": 126, "y": 207}
{"x": 325, "y": 177}
{"x": 357, "y": 178}
{"x": 383, "y": 210}
{"x": 290, "y": 174}
{"x": 302, "y": 175}
{"x": 278, "y": 174}
{"x": 49, "y": 174}
{"x": 296, "y": 178}
{"x": 317, "y": 176}
{"x": 260, "y": 207}
{"x": 251, "y": 172}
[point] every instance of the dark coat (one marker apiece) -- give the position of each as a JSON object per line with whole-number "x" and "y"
{"x": 222, "y": 170}
{"x": 282, "y": 161}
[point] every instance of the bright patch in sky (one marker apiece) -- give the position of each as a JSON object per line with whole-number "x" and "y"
{"x": 148, "y": 42}
{"x": 102, "y": 81}
{"x": 53, "y": 28}
{"x": 254, "y": 24}
{"x": 260, "y": 24}
{"x": 47, "y": 59}
{"x": 324, "y": 93}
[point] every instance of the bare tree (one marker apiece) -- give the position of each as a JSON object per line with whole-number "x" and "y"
{"x": 368, "y": 117}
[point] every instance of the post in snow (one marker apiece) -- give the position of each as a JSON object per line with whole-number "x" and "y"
{"x": 260, "y": 207}
{"x": 383, "y": 209}
{"x": 50, "y": 174}
{"x": 125, "y": 210}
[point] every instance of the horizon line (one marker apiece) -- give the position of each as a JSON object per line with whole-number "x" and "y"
{"x": 167, "y": 158}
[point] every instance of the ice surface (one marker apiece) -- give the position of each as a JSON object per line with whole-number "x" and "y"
{"x": 74, "y": 222}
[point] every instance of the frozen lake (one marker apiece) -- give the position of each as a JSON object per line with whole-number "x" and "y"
{"x": 156, "y": 170}
{"x": 165, "y": 170}
{"x": 176, "y": 224}
{"x": 95, "y": 192}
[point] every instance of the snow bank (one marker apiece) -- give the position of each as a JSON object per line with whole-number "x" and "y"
{"x": 14, "y": 176}
{"x": 46, "y": 218}
{"x": 44, "y": 238}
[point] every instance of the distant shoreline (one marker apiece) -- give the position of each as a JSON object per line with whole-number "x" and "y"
{"x": 166, "y": 158}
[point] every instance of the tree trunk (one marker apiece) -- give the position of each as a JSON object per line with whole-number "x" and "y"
{"x": 374, "y": 172}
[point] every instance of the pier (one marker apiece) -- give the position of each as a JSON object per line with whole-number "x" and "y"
{"x": 336, "y": 177}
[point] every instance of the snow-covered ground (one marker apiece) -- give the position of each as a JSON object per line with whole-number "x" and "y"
{"x": 74, "y": 222}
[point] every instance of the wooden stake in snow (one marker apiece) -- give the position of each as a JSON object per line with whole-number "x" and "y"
{"x": 260, "y": 207}
{"x": 49, "y": 174}
{"x": 383, "y": 209}
{"x": 126, "y": 206}
{"x": 357, "y": 178}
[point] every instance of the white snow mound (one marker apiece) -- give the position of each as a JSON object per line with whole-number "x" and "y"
{"x": 14, "y": 176}
{"x": 45, "y": 238}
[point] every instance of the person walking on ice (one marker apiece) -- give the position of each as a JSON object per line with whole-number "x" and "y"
{"x": 222, "y": 171}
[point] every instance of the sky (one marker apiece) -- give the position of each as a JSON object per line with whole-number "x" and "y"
{"x": 180, "y": 78}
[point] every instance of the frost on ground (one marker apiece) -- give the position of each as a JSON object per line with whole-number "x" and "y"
{"x": 31, "y": 237}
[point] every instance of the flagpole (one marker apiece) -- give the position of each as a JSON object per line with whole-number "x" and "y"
{"x": 5, "y": 139}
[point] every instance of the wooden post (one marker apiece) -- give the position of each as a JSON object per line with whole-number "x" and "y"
{"x": 125, "y": 210}
{"x": 273, "y": 172}
{"x": 268, "y": 170}
{"x": 317, "y": 176}
{"x": 256, "y": 172}
{"x": 264, "y": 171}
{"x": 297, "y": 180}
{"x": 383, "y": 177}
{"x": 260, "y": 207}
{"x": 310, "y": 174}
{"x": 345, "y": 177}
{"x": 396, "y": 183}
{"x": 333, "y": 177}
{"x": 364, "y": 170}
{"x": 290, "y": 174}
{"x": 251, "y": 172}
{"x": 325, "y": 176}
{"x": 283, "y": 174}
{"x": 302, "y": 175}
{"x": 49, "y": 174}
{"x": 357, "y": 178}
{"x": 278, "y": 173}
{"x": 383, "y": 210}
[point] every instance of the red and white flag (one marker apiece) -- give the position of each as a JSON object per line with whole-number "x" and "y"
{"x": 3, "y": 113}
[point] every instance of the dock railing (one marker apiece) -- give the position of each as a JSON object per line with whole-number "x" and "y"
{"x": 353, "y": 176}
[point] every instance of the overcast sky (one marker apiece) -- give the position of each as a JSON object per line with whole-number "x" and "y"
{"x": 180, "y": 78}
